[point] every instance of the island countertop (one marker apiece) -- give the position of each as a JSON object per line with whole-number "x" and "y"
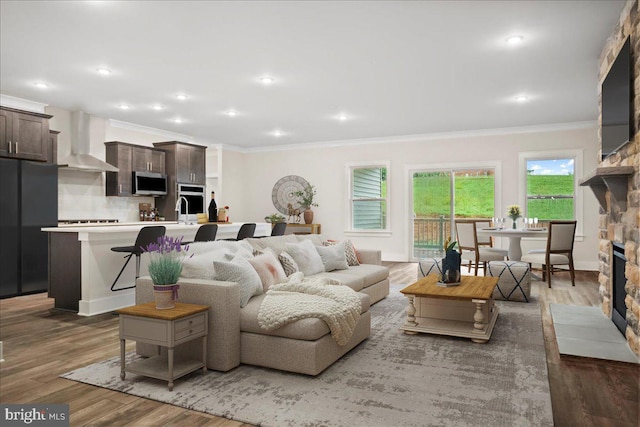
{"x": 82, "y": 266}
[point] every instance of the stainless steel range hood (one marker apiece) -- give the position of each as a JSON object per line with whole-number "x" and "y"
{"x": 80, "y": 159}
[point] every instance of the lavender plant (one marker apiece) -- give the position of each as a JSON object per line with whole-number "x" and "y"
{"x": 167, "y": 256}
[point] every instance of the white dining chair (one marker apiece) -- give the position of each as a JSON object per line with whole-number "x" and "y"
{"x": 559, "y": 250}
{"x": 473, "y": 250}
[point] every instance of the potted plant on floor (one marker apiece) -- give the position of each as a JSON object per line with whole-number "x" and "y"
{"x": 165, "y": 267}
{"x": 305, "y": 198}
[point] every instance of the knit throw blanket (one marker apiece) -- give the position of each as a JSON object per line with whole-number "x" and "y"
{"x": 301, "y": 298}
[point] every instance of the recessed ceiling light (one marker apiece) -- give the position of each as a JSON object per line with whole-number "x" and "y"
{"x": 41, "y": 85}
{"x": 181, "y": 97}
{"x": 522, "y": 98}
{"x": 266, "y": 80}
{"x": 157, "y": 107}
{"x": 342, "y": 117}
{"x": 177, "y": 121}
{"x": 231, "y": 113}
{"x": 514, "y": 40}
{"x": 277, "y": 133}
{"x": 103, "y": 71}
{"x": 124, "y": 107}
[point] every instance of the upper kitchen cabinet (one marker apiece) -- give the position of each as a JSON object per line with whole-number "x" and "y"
{"x": 24, "y": 135}
{"x": 148, "y": 159}
{"x": 120, "y": 155}
{"x": 185, "y": 162}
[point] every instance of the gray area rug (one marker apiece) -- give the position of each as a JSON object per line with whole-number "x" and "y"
{"x": 391, "y": 379}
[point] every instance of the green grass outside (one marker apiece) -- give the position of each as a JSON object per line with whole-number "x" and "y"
{"x": 475, "y": 194}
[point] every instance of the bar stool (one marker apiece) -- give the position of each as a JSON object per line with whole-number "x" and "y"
{"x": 206, "y": 233}
{"x": 146, "y": 236}
{"x": 246, "y": 230}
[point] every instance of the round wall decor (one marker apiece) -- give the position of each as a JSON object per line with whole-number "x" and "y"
{"x": 284, "y": 192}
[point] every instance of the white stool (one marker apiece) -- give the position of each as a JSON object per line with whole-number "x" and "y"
{"x": 514, "y": 283}
{"x": 429, "y": 266}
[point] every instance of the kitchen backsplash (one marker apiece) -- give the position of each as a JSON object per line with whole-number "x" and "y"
{"x": 82, "y": 195}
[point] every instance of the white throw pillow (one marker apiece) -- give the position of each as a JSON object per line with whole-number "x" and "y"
{"x": 269, "y": 269}
{"x": 200, "y": 264}
{"x": 239, "y": 270}
{"x": 306, "y": 256}
{"x": 349, "y": 251}
{"x": 333, "y": 257}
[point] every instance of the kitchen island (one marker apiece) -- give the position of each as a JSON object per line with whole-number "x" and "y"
{"x": 82, "y": 265}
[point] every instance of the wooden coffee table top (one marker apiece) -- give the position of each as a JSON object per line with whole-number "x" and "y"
{"x": 471, "y": 287}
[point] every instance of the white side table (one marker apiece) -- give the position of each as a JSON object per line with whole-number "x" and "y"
{"x": 164, "y": 328}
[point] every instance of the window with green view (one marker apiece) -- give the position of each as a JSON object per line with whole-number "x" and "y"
{"x": 550, "y": 189}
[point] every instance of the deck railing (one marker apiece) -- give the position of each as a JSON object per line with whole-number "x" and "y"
{"x": 429, "y": 235}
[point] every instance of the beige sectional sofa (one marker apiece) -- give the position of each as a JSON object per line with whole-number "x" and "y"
{"x": 304, "y": 346}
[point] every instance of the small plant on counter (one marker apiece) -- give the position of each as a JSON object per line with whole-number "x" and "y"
{"x": 167, "y": 256}
{"x": 274, "y": 218}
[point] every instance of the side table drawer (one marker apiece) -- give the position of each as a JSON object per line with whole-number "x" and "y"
{"x": 189, "y": 327}
{"x": 145, "y": 330}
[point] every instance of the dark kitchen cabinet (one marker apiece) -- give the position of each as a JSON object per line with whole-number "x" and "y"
{"x": 148, "y": 159}
{"x": 185, "y": 164}
{"x": 120, "y": 155}
{"x": 129, "y": 158}
{"x": 53, "y": 146}
{"x": 28, "y": 202}
{"x": 24, "y": 135}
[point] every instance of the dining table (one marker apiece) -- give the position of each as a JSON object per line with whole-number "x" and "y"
{"x": 515, "y": 236}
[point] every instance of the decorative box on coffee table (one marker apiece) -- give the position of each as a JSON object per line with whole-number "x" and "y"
{"x": 164, "y": 328}
{"x": 467, "y": 310}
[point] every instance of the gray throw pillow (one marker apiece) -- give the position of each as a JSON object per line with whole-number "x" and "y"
{"x": 239, "y": 270}
{"x": 306, "y": 256}
{"x": 333, "y": 257}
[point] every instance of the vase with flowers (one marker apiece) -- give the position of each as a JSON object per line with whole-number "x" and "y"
{"x": 514, "y": 212}
{"x": 165, "y": 267}
{"x": 305, "y": 198}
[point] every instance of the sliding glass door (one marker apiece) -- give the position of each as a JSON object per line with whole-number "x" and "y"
{"x": 441, "y": 196}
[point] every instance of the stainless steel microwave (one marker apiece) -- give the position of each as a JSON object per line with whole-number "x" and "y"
{"x": 149, "y": 184}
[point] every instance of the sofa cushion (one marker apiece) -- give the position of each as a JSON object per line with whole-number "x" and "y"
{"x": 370, "y": 273}
{"x": 309, "y": 329}
{"x": 277, "y": 243}
{"x": 316, "y": 239}
{"x": 306, "y": 256}
{"x": 353, "y": 281}
{"x": 268, "y": 268}
{"x": 239, "y": 270}
{"x": 333, "y": 257}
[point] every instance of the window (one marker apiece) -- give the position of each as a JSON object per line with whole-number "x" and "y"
{"x": 550, "y": 188}
{"x": 368, "y": 197}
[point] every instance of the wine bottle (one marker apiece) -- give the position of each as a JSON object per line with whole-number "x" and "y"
{"x": 213, "y": 208}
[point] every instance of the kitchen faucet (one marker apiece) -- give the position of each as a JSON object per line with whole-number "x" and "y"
{"x": 177, "y": 209}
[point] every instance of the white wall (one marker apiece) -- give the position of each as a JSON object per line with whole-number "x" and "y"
{"x": 81, "y": 195}
{"x": 324, "y": 167}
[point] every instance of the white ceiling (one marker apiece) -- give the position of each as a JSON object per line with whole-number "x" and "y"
{"x": 394, "y": 67}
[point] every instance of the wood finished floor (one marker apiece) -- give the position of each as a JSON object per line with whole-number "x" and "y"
{"x": 41, "y": 343}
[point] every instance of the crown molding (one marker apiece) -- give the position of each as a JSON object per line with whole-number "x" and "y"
{"x": 429, "y": 136}
{"x": 22, "y": 104}
{"x": 172, "y": 136}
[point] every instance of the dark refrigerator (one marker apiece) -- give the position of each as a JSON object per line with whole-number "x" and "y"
{"x": 28, "y": 202}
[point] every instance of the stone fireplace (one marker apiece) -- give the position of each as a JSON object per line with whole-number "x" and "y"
{"x": 620, "y": 203}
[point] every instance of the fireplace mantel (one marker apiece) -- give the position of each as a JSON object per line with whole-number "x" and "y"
{"x": 612, "y": 178}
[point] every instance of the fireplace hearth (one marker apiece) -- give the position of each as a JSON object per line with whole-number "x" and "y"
{"x": 619, "y": 312}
